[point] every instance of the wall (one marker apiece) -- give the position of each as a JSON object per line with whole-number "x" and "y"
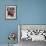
{"x": 28, "y": 12}
{"x": 33, "y": 12}
{"x": 7, "y": 26}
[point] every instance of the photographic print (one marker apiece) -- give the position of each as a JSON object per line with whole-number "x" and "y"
{"x": 11, "y": 12}
{"x": 32, "y": 32}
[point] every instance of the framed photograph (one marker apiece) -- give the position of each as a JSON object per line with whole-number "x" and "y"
{"x": 11, "y": 12}
{"x": 33, "y": 32}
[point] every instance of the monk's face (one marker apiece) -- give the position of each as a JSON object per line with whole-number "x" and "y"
{"x": 11, "y": 11}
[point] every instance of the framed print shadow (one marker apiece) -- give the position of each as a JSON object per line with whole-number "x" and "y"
{"x": 11, "y": 12}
